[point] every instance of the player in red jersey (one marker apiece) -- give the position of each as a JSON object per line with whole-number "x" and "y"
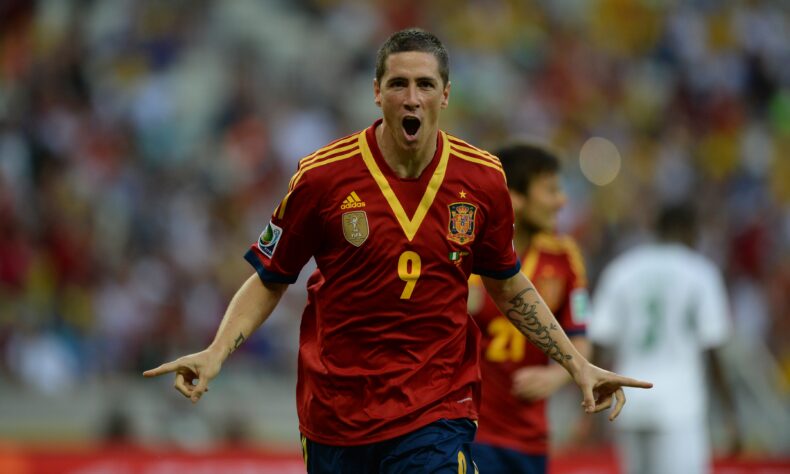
{"x": 517, "y": 377}
{"x": 397, "y": 217}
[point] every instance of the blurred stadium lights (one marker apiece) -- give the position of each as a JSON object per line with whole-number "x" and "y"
{"x": 599, "y": 160}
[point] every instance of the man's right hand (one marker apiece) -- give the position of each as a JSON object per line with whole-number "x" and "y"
{"x": 203, "y": 366}
{"x": 600, "y": 388}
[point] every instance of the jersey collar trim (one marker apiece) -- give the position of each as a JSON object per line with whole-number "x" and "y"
{"x": 409, "y": 226}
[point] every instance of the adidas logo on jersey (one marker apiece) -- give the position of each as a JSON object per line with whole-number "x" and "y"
{"x": 352, "y": 201}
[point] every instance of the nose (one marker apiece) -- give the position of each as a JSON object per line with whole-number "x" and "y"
{"x": 412, "y": 101}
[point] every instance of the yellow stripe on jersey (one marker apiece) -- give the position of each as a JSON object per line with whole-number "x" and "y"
{"x": 336, "y": 147}
{"x": 462, "y": 145}
{"x": 409, "y": 226}
{"x": 341, "y": 146}
{"x": 548, "y": 243}
{"x": 280, "y": 211}
{"x": 530, "y": 262}
{"x": 472, "y": 154}
{"x": 479, "y": 159}
{"x": 561, "y": 245}
{"x": 577, "y": 262}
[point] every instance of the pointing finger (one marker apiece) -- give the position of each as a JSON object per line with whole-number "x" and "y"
{"x": 629, "y": 382}
{"x": 162, "y": 369}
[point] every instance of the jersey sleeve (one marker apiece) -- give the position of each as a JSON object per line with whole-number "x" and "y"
{"x": 291, "y": 236}
{"x": 604, "y": 326}
{"x": 575, "y": 312}
{"x": 494, "y": 253}
{"x": 713, "y": 324}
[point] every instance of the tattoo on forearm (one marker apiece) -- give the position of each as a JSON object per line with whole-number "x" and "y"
{"x": 239, "y": 340}
{"x": 524, "y": 315}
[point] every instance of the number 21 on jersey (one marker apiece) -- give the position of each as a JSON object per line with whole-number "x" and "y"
{"x": 507, "y": 342}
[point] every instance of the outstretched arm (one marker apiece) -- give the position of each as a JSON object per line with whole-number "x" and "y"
{"x": 517, "y": 298}
{"x": 250, "y": 307}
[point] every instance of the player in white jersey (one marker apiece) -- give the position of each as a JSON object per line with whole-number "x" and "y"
{"x": 660, "y": 308}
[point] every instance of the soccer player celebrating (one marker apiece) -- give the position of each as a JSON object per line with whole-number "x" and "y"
{"x": 517, "y": 376}
{"x": 397, "y": 217}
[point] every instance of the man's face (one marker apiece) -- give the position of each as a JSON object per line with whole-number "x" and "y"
{"x": 410, "y": 95}
{"x": 539, "y": 207}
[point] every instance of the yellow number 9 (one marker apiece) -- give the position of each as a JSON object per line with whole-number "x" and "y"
{"x": 409, "y": 265}
{"x": 461, "y": 462}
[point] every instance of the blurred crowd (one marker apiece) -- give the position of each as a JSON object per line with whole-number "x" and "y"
{"x": 143, "y": 145}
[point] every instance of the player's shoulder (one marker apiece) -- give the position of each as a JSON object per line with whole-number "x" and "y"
{"x": 556, "y": 243}
{"x": 639, "y": 256}
{"x": 698, "y": 263}
{"x": 626, "y": 263}
{"x": 473, "y": 157}
{"x": 675, "y": 254}
{"x": 326, "y": 160}
{"x": 563, "y": 246}
{"x": 646, "y": 256}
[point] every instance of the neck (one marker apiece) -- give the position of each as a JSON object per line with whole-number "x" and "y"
{"x": 403, "y": 162}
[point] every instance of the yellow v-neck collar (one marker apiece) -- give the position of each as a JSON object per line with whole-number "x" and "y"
{"x": 409, "y": 226}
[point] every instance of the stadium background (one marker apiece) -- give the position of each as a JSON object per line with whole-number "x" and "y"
{"x": 143, "y": 145}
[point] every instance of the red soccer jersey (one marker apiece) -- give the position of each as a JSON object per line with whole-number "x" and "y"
{"x": 555, "y": 267}
{"x": 386, "y": 344}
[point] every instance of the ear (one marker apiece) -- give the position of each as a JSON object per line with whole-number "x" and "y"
{"x": 376, "y": 92}
{"x": 446, "y": 96}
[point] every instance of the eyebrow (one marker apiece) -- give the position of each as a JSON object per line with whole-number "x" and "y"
{"x": 417, "y": 79}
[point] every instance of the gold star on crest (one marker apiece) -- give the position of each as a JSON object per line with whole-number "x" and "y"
{"x": 462, "y": 194}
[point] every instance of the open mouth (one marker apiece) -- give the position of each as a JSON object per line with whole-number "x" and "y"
{"x": 411, "y": 125}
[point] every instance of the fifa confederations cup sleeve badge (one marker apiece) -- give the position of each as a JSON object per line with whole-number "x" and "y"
{"x": 270, "y": 237}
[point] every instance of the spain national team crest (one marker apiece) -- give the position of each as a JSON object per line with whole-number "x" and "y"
{"x": 355, "y": 227}
{"x": 462, "y": 222}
